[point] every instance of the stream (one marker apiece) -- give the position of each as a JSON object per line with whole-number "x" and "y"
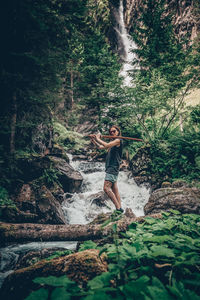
{"x": 84, "y": 206}
{"x": 81, "y": 208}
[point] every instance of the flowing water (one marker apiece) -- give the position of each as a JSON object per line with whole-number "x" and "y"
{"x": 81, "y": 207}
{"x": 9, "y": 255}
{"x": 127, "y": 55}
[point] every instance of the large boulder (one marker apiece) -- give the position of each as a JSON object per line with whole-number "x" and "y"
{"x": 70, "y": 179}
{"x": 79, "y": 267}
{"x": 34, "y": 204}
{"x": 32, "y": 168}
{"x": 182, "y": 198}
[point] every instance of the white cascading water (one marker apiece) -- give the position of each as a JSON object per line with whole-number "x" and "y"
{"x": 128, "y": 45}
{"x": 81, "y": 209}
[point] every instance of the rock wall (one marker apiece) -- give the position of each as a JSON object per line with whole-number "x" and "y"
{"x": 185, "y": 15}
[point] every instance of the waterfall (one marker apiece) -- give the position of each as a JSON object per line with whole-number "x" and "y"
{"x": 84, "y": 206}
{"x": 125, "y": 46}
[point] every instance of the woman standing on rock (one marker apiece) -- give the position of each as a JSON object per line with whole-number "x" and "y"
{"x": 112, "y": 165}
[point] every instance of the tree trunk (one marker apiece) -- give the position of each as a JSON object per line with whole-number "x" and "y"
{"x": 13, "y": 124}
{"x": 72, "y": 88}
{"x": 45, "y": 232}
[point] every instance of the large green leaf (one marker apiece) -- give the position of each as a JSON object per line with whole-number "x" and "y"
{"x": 158, "y": 291}
{"x": 161, "y": 251}
{"x": 60, "y": 293}
{"x": 55, "y": 281}
{"x": 100, "y": 281}
{"x": 41, "y": 294}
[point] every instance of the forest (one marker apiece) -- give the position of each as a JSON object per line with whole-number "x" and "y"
{"x": 60, "y": 67}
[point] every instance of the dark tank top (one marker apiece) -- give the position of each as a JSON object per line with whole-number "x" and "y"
{"x": 113, "y": 159}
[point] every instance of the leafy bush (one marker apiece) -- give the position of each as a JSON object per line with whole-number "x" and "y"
{"x": 177, "y": 156}
{"x": 159, "y": 257}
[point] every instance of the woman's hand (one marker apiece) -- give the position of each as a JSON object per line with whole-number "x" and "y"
{"x": 98, "y": 136}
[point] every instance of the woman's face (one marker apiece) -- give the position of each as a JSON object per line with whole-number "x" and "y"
{"x": 114, "y": 131}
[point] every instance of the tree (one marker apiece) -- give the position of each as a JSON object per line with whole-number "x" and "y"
{"x": 33, "y": 63}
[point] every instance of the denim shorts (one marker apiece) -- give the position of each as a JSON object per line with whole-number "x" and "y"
{"x": 111, "y": 177}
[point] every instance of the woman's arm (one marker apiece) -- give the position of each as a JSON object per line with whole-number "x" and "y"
{"x": 97, "y": 144}
{"x": 109, "y": 145}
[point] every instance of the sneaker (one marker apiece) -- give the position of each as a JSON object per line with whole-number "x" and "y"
{"x": 120, "y": 210}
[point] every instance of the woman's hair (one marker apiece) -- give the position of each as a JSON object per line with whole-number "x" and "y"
{"x": 117, "y": 128}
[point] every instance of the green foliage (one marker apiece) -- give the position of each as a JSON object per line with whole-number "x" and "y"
{"x": 178, "y": 155}
{"x": 159, "y": 257}
{"x": 57, "y": 254}
{"x": 50, "y": 176}
{"x": 87, "y": 245}
{"x": 39, "y": 294}
{"x": 4, "y": 198}
{"x": 68, "y": 139}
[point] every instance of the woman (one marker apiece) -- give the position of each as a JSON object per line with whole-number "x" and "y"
{"x": 112, "y": 165}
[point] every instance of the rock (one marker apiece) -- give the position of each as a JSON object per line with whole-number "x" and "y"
{"x": 32, "y": 257}
{"x": 179, "y": 183}
{"x": 25, "y": 200}
{"x": 59, "y": 151}
{"x": 129, "y": 213}
{"x": 80, "y": 157}
{"x": 183, "y": 199}
{"x": 70, "y": 179}
{"x": 13, "y": 214}
{"x": 166, "y": 184}
{"x": 140, "y": 165}
{"x": 99, "y": 199}
{"x": 48, "y": 208}
{"x": 40, "y": 203}
{"x": 79, "y": 267}
{"x": 57, "y": 192}
{"x": 32, "y": 167}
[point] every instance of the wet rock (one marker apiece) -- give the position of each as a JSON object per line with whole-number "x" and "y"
{"x": 80, "y": 157}
{"x": 129, "y": 213}
{"x": 32, "y": 257}
{"x": 70, "y": 179}
{"x": 79, "y": 267}
{"x": 183, "y": 199}
{"x": 100, "y": 199}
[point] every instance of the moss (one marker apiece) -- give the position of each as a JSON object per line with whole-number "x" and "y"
{"x": 67, "y": 138}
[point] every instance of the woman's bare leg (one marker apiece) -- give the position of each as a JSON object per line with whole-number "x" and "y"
{"x": 108, "y": 190}
{"x": 116, "y": 192}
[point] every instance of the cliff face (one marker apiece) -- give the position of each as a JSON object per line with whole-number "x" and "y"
{"x": 185, "y": 13}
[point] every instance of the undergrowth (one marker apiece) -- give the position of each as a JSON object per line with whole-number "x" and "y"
{"x": 156, "y": 259}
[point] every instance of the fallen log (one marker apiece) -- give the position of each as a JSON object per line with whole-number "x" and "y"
{"x": 27, "y": 232}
